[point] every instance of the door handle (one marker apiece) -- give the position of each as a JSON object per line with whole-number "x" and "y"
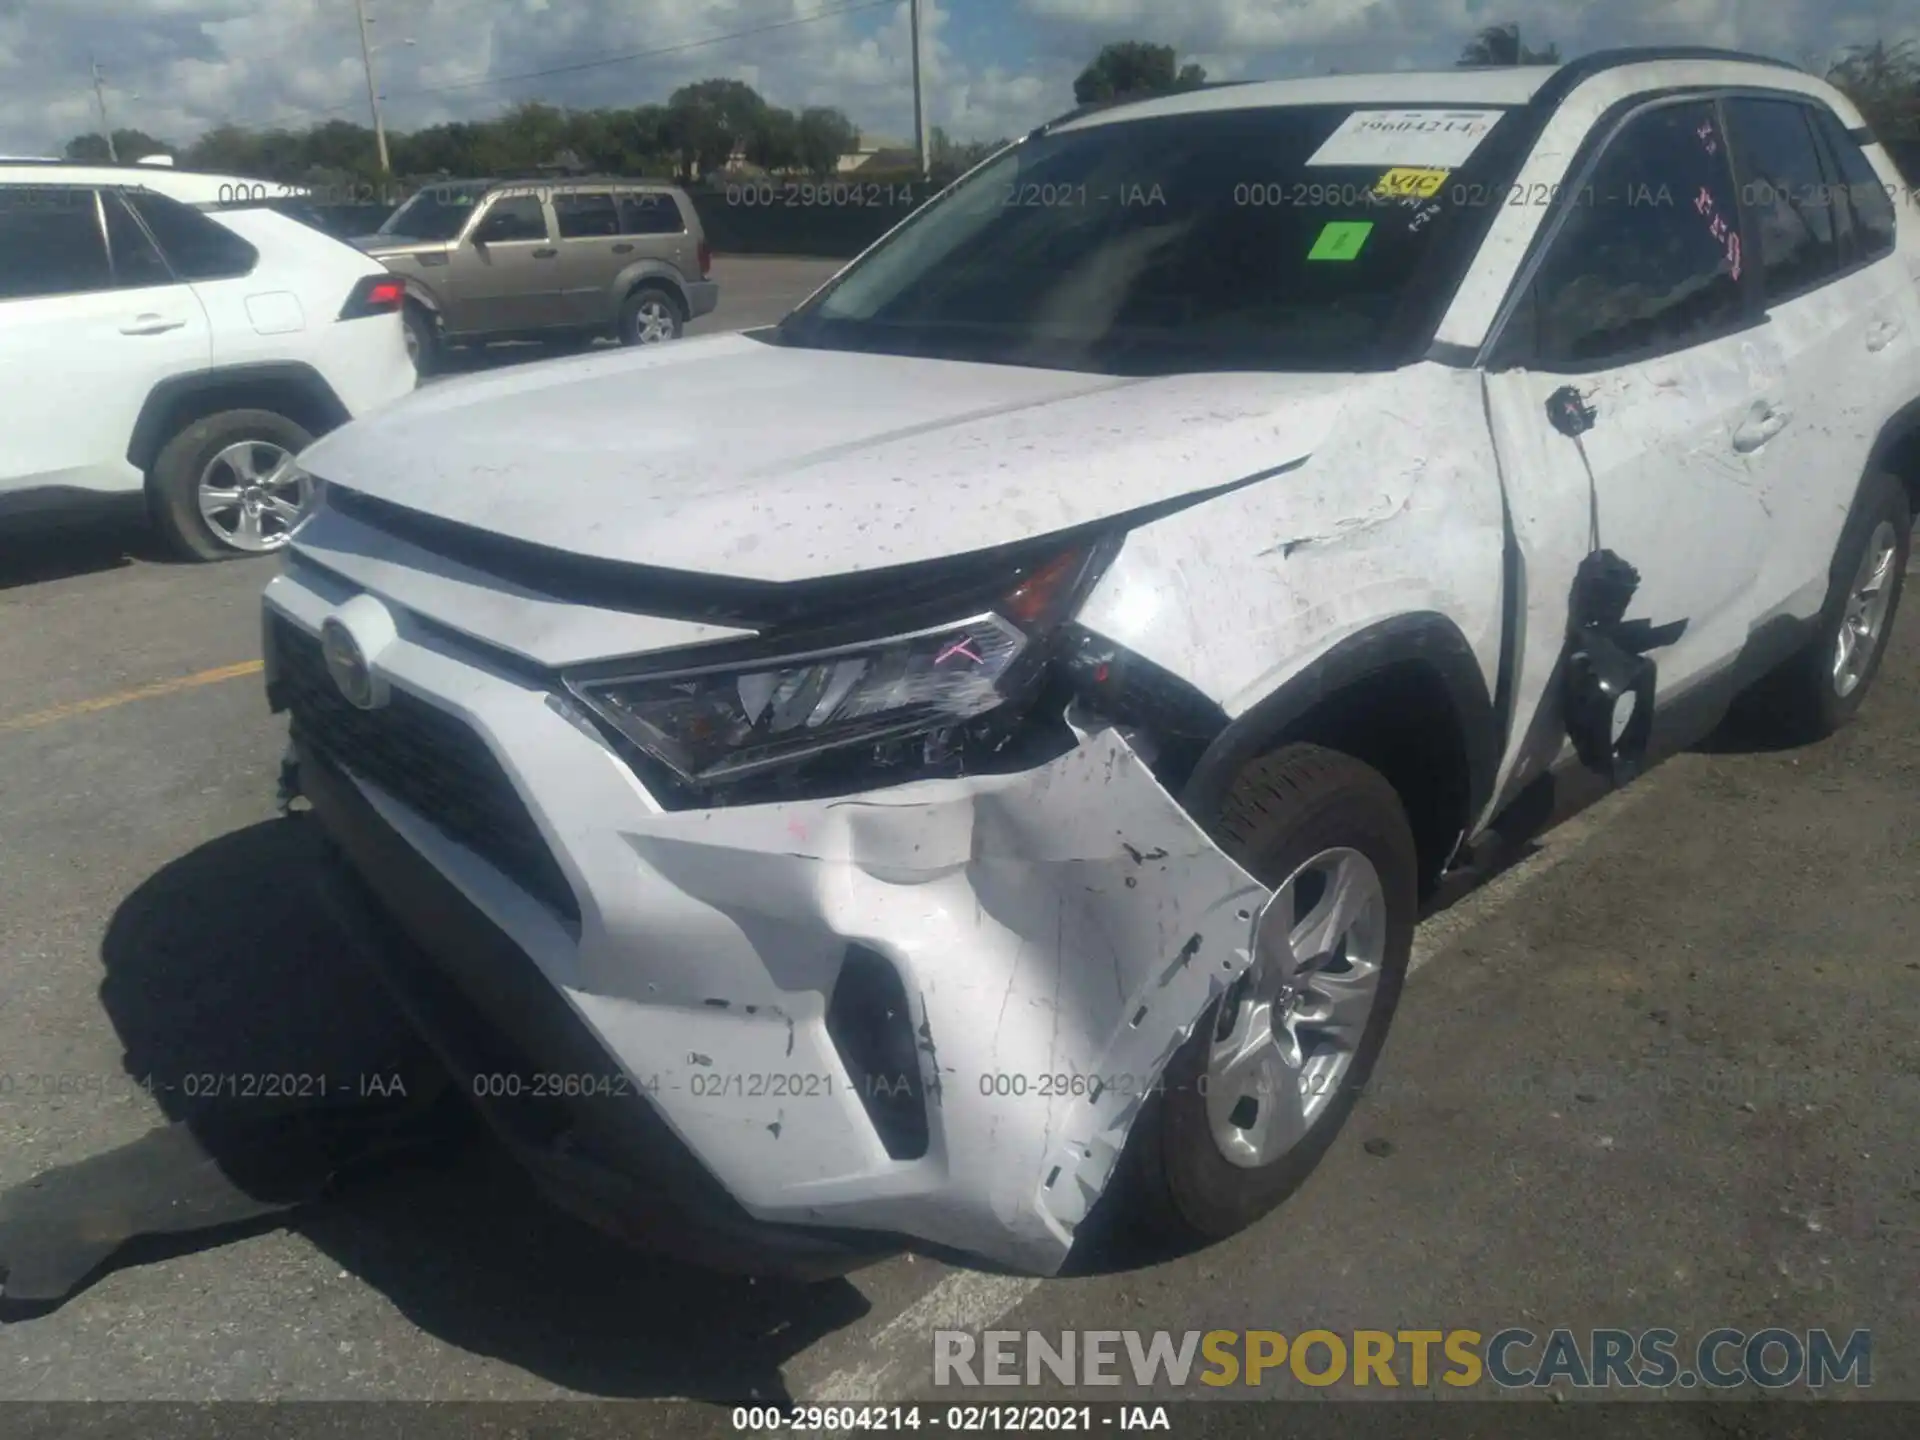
{"x": 623, "y": 248}
{"x": 151, "y": 325}
{"x": 546, "y": 253}
{"x": 1881, "y": 334}
{"x": 1764, "y": 421}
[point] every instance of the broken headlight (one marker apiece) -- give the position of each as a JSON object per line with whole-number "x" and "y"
{"x": 722, "y": 723}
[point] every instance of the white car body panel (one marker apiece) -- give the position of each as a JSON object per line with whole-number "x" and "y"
{"x": 287, "y": 310}
{"x": 470, "y": 602}
{"x": 1237, "y": 594}
{"x": 67, "y": 428}
{"x": 950, "y": 879}
{"x": 853, "y": 462}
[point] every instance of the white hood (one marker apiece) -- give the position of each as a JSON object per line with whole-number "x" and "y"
{"x": 729, "y": 456}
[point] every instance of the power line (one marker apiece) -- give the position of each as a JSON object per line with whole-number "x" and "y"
{"x": 581, "y": 65}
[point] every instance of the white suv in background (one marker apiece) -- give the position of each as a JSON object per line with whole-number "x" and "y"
{"x": 150, "y": 351}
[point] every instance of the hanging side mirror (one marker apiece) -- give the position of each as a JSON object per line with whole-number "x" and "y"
{"x": 1609, "y": 681}
{"x": 1609, "y": 705}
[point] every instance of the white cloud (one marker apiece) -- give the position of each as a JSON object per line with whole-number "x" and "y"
{"x": 994, "y": 67}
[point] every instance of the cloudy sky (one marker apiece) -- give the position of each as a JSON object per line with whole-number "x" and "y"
{"x": 175, "y": 67}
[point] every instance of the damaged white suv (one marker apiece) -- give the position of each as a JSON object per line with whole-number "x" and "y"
{"x": 981, "y": 745}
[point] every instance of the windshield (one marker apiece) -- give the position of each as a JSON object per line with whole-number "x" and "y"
{"x": 435, "y": 213}
{"x": 1288, "y": 237}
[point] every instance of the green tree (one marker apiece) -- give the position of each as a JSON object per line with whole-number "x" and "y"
{"x": 955, "y": 157}
{"x": 1501, "y": 45}
{"x": 710, "y": 119}
{"x": 1884, "y": 81}
{"x": 439, "y": 150}
{"x": 775, "y": 141}
{"x": 226, "y": 148}
{"x": 1128, "y": 69}
{"x": 130, "y": 145}
{"x": 823, "y": 135}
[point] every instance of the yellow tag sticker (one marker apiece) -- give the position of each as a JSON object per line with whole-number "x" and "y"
{"x": 1411, "y": 182}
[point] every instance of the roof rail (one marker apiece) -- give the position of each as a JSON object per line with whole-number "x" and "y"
{"x": 1584, "y": 67}
{"x": 1563, "y": 79}
{"x": 1118, "y": 101}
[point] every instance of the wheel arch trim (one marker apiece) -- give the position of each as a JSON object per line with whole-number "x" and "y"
{"x": 156, "y": 422}
{"x": 1426, "y": 639}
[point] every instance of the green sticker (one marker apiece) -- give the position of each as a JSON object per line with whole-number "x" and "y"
{"x": 1341, "y": 240}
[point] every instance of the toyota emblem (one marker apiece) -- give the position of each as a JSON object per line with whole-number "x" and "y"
{"x": 351, "y": 640}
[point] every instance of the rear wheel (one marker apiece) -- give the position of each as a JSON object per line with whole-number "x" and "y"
{"x": 1823, "y": 686}
{"x": 423, "y": 339}
{"x": 226, "y": 485}
{"x": 1253, "y": 1098}
{"x": 650, "y": 316}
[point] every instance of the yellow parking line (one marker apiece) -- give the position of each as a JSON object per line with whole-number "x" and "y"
{"x": 126, "y": 697}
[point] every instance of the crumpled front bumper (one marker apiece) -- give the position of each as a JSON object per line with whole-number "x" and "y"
{"x": 1055, "y": 935}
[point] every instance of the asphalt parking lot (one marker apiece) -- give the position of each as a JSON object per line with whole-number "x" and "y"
{"x": 1666, "y": 1072}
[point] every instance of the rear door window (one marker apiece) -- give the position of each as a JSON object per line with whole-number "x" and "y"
{"x": 51, "y": 242}
{"x": 1787, "y": 194}
{"x": 586, "y": 216}
{"x": 196, "y": 247}
{"x": 136, "y": 264}
{"x": 514, "y": 217}
{"x": 1869, "y": 204}
{"x": 650, "y": 212}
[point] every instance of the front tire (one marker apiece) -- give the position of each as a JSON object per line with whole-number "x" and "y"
{"x": 220, "y": 489}
{"x": 1253, "y": 1098}
{"x": 1822, "y": 687}
{"x": 651, "y": 316}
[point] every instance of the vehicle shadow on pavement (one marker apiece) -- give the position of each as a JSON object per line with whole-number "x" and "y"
{"x": 223, "y": 965}
{"x": 35, "y": 556}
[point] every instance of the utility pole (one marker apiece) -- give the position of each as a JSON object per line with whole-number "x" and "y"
{"x": 100, "y": 99}
{"x": 373, "y": 93}
{"x": 920, "y": 137}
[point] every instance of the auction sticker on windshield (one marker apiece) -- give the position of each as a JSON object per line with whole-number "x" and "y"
{"x": 1436, "y": 138}
{"x": 1411, "y": 182}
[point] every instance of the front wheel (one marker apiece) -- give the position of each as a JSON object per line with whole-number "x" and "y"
{"x": 1253, "y": 1098}
{"x": 650, "y": 316}
{"x": 226, "y": 485}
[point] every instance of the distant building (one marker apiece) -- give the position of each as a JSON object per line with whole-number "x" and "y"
{"x": 872, "y": 154}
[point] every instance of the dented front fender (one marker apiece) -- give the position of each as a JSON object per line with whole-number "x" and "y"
{"x": 1057, "y": 934}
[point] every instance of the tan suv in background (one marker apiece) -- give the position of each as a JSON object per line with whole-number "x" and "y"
{"x": 562, "y": 261}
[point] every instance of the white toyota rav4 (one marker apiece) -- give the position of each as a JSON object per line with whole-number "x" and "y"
{"x": 153, "y": 353}
{"x": 979, "y": 748}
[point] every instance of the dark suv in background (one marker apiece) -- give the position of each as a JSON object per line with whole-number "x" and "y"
{"x": 567, "y": 260}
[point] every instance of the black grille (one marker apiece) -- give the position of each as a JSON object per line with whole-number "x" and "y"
{"x": 429, "y": 760}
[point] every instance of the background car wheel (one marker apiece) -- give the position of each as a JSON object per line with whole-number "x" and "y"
{"x": 650, "y": 316}
{"x": 220, "y": 487}
{"x": 1821, "y": 688}
{"x": 423, "y": 339}
{"x": 1257, "y": 1093}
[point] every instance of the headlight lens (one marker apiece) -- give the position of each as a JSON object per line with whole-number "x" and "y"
{"x": 725, "y": 723}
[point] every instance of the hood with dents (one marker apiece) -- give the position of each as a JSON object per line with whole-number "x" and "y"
{"x": 729, "y": 456}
